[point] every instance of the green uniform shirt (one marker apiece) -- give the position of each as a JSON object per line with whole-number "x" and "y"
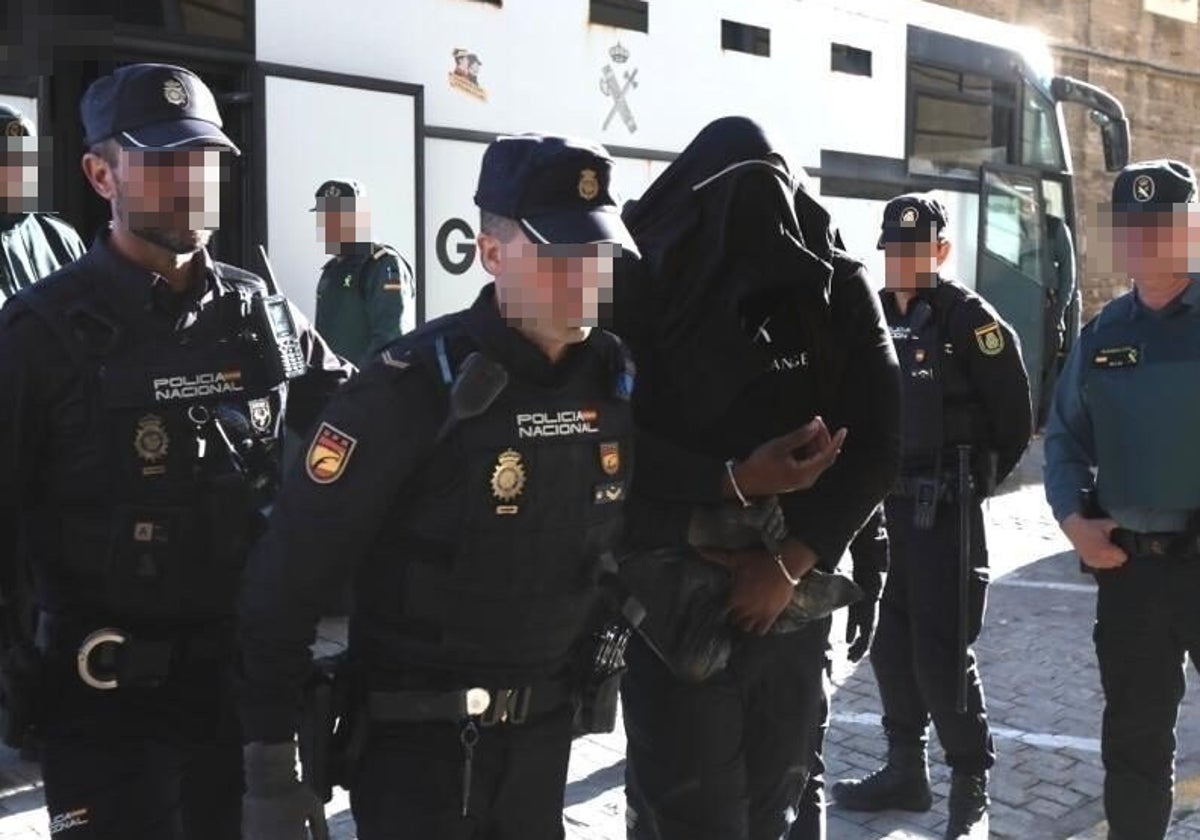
{"x": 365, "y": 299}
{"x": 33, "y": 246}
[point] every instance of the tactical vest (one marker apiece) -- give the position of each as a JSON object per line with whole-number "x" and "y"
{"x": 149, "y": 520}
{"x": 939, "y": 404}
{"x": 1144, "y": 407}
{"x": 489, "y": 567}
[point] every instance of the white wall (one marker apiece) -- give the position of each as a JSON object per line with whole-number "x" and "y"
{"x": 367, "y": 135}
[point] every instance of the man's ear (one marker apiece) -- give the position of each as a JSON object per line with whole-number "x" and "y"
{"x": 99, "y": 173}
{"x": 943, "y": 252}
{"x": 491, "y": 253}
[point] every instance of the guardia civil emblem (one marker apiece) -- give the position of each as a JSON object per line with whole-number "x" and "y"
{"x": 1143, "y": 188}
{"x": 990, "y": 339}
{"x": 332, "y": 191}
{"x": 175, "y": 93}
{"x": 589, "y": 184}
{"x": 260, "y": 414}
{"x": 14, "y": 129}
{"x": 150, "y": 439}
{"x": 508, "y": 480}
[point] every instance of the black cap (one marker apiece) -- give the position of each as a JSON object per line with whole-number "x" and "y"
{"x": 1153, "y": 185}
{"x": 152, "y": 106}
{"x": 337, "y": 188}
{"x": 14, "y": 124}
{"x": 556, "y": 188}
{"x": 913, "y": 217}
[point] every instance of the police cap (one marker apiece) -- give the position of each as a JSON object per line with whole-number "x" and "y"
{"x": 913, "y": 217}
{"x": 14, "y": 124}
{"x": 556, "y": 188}
{"x": 153, "y": 106}
{"x": 338, "y": 194}
{"x": 1153, "y": 185}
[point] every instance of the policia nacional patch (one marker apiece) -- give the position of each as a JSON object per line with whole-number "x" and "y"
{"x": 990, "y": 339}
{"x": 329, "y": 454}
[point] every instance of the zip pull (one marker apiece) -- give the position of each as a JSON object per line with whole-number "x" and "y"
{"x": 469, "y": 738}
{"x": 199, "y": 416}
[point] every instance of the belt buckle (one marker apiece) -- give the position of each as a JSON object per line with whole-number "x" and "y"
{"x": 83, "y": 663}
{"x": 509, "y": 705}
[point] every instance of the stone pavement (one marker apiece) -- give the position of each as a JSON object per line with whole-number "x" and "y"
{"x": 1043, "y": 691}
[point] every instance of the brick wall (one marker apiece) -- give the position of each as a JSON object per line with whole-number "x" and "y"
{"x": 1131, "y": 53}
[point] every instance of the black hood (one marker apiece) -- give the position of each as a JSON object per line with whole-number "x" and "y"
{"x": 728, "y": 234}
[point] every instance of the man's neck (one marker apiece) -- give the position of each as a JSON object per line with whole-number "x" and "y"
{"x": 1157, "y": 293}
{"x": 904, "y": 297}
{"x": 553, "y": 349}
{"x": 176, "y": 269}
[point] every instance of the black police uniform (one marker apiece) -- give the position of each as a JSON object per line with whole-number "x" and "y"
{"x": 475, "y": 541}
{"x": 748, "y": 333}
{"x": 964, "y": 383}
{"x": 32, "y": 245}
{"x": 366, "y": 295}
{"x": 1127, "y": 406}
{"x": 141, "y": 428}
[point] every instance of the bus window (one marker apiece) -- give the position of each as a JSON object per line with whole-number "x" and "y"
{"x": 1041, "y": 144}
{"x": 1013, "y": 223}
{"x": 958, "y": 121}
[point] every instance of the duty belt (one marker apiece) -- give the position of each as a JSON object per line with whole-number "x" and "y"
{"x": 908, "y": 486}
{"x": 1159, "y": 544}
{"x": 489, "y": 706}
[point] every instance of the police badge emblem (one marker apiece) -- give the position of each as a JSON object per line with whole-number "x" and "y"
{"x": 14, "y": 129}
{"x": 150, "y": 439}
{"x": 175, "y": 93}
{"x": 610, "y": 457}
{"x": 1143, "y": 188}
{"x": 260, "y": 414}
{"x": 508, "y": 481}
{"x": 332, "y": 191}
{"x": 990, "y": 339}
{"x": 329, "y": 454}
{"x": 589, "y": 184}
{"x": 909, "y": 216}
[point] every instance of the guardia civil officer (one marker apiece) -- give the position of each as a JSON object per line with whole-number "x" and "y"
{"x": 365, "y": 295}
{"x": 964, "y": 386}
{"x": 144, "y": 401}
{"x": 1127, "y": 407}
{"x": 32, "y": 244}
{"x": 470, "y": 481}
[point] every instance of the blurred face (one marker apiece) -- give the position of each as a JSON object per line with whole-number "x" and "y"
{"x": 342, "y": 221}
{"x": 1150, "y": 245}
{"x": 551, "y": 291}
{"x": 910, "y": 266}
{"x": 18, "y": 175}
{"x": 168, "y": 197}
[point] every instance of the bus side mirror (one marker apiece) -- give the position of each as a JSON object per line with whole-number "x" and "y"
{"x": 1115, "y": 136}
{"x": 1106, "y": 111}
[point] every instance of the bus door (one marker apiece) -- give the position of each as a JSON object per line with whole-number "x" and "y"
{"x": 1012, "y": 261}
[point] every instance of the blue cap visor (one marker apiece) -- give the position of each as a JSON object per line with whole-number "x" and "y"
{"x": 580, "y": 227}
{"x": 176, "y": 134}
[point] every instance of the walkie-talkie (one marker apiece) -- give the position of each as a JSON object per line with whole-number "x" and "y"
{"x": 277, "y": 330}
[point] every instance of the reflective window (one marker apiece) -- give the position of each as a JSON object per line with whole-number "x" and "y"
{"x": 1013, "y": 222}
{"x": 1041, "y": 143}
{"x": 958, "y": 121}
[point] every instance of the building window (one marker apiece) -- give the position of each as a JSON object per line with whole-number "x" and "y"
{"x": 742, "y": 37}
{"x": 844, "y": 58}
{"x": 958, "y": 121}
{"x": 623, "y": 14}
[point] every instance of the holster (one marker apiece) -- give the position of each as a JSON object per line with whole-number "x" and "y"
{"x": 332, "y": 732}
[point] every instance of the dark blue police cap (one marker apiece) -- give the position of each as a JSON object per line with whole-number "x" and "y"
{"x": 1153, "y": 185}
{"x": 13, "y": 123}
{"x": 556, "y": 188}
{"x": 153, "y": 106}
{"x": 913, "y": 217}
{"x": 337, "y": 189}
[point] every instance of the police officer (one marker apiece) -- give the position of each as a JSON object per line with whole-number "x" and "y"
{"x": 1127, "y": 407}
{"x": 365, "y": 296}
{"x": 964, "y": 384}
{"x": 32, "y": 244}
{"x": 144, "y": 400}
{"x": 471, "y": 480}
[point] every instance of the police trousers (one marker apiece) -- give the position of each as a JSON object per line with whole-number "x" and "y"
{"x": 143, "y": 764}
{"x": 727, "y": 759}
{"x": 915, "y": 652}
{"x": 410, "y": 782}
{"x": 1147, "y": 622}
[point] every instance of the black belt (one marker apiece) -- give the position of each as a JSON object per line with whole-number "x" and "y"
{"x": 489, "y": 705}
{"x": 1159, "y": 544}
{"x": 110, "y": 656}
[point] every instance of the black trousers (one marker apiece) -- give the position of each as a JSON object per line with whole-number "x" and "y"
{"x": 410, "y": 782}
{"x": 730, "y": 758}
{"x": 914, "y": 654}
{"x": 149, "y": 764}
{"x": 1147, "y": 621}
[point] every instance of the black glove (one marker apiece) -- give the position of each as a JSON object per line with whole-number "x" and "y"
{"x": 732, "y": 526}
{"x": 277, "y": 805}
{"x": 862, "y": 616}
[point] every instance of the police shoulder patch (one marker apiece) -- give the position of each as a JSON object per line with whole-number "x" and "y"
{"x": 990, "y": 339}
{"x": 329, "y": 454}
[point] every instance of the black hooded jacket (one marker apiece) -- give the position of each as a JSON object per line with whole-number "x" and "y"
{"x": 746, "y": 321}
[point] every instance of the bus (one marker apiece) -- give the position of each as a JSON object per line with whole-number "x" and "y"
{"x": 871, "y": 98}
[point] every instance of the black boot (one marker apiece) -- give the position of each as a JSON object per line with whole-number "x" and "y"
{"x": 902, "y": 783}
{"x": 968, "y": 807}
